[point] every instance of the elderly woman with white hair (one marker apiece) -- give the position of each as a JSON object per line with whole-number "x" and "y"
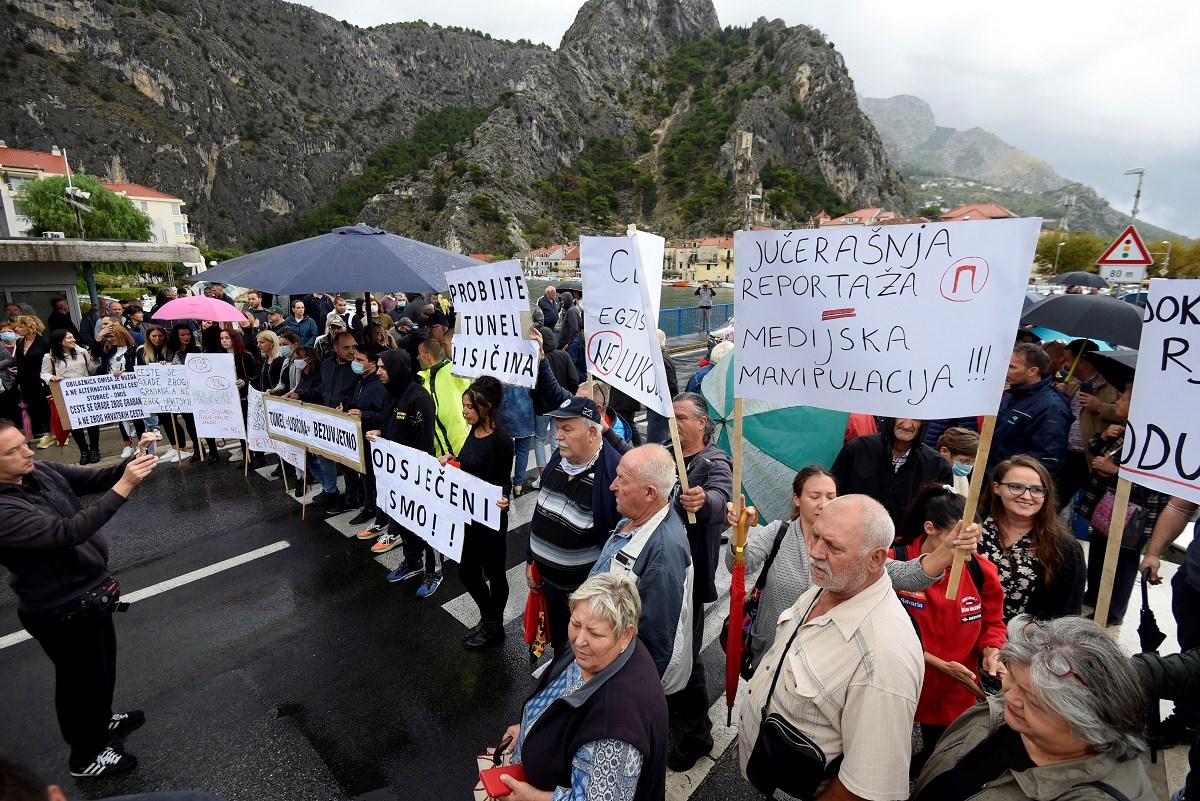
{"x": 1068, "y": 726}
{"x": 596, "y": 725}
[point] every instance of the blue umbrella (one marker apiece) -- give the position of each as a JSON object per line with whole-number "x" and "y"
{"x": 355, "y": 258}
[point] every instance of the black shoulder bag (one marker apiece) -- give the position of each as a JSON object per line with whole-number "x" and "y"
{"x": 785, "y": 759}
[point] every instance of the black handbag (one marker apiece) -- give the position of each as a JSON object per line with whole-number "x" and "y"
{"x": 785, "y": 762}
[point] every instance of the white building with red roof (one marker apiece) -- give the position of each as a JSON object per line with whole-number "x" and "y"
{"x": 978, "y": 211}
{"x": 169, "y": 223}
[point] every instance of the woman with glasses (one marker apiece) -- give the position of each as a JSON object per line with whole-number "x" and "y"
{"x": 1041, "y": 566}
{"x": 1069, "y": 724}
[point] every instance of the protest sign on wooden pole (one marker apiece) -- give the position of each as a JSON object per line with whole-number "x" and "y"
{"x": 739, "y": 500}
{"x": 283, "y": 472}
{"x": 981, "y": 459}
{"x": 304, "y": 489}
{"x": 677, "y": 448}
{"x": 1116, "y": 530}
{"x": 175, "y": 431}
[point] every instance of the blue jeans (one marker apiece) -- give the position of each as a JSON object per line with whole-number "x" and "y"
{"x": 541, "y": 439}
{"x": 325, "y": 472}
{"x": 705, "y": 318}
{"x": 520, "y": 459}
{"x": 657, "y": 427}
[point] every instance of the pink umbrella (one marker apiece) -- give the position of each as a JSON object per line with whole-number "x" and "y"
{"x": 199, "y": 307}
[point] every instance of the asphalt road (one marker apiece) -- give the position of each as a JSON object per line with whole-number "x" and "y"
{"x": 299, "y": 673}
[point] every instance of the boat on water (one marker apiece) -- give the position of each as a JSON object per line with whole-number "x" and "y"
{"x": 726, "y": 285}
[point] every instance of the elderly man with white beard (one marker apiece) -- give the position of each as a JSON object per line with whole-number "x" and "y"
{"x": 852, "y": 669}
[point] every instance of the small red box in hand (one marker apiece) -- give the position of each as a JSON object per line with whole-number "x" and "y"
{"x": 491, "y": 779}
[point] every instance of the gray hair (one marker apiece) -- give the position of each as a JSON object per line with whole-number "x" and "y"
{"x": 1101, "y": 698}
{"x": 878, "y": 530}
{"x": 656, "y": 468}
{"x": 700, "y": 406}
{"x": 662, "y": 338}
{"x": 614, "y": 597}
{"x": 600, "y": 392}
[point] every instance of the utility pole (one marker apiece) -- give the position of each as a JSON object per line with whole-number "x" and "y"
{"x": 78, "y": 200}
{"x": 1140, "y": 172}
{"x": 1068, "y": 204}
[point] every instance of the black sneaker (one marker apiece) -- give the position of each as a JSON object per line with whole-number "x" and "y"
{"x": 362, "y": 517}
{"x": 1172, "y": 731}
{"x": 336, "y": 506}
{"x": 122, "y": 723}
{"x": 108, "y": 762}
{"x": 324, "y": 498}
{"x": 683, "y": 756}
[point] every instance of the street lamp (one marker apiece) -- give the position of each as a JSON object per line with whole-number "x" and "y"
{"x": 750, "y": 198}
{"x": 1166, "y": 268}
{"x": 1140, "y": 172}
{"x": 1057, "y": 253}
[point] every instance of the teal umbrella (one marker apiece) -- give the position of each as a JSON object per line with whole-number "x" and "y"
{"x": 777, "y": 440}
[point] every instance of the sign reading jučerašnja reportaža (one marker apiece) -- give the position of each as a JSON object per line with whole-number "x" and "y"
{"x": 1156, "y": 452}
{"x": 899, "y": 320}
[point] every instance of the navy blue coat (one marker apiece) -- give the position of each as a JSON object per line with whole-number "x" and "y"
{"x": 1033, "y": 419}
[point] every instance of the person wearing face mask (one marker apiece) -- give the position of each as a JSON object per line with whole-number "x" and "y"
{"x": 890, "y": 466}
{"x": 958, "y": 446}
{"x": 289, "y": 372}
{"x": 367, "y": 404}
{"x": 10, "y": 393}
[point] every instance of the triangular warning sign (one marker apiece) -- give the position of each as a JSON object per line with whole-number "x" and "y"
{"x": 1128, "y": 250}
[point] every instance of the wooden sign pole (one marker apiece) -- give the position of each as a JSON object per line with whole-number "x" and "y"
{"x": 283, "y": 472}
{"x": 677, "y": 447}
{"x": 981, "y": 460}
{"x": 246, "y": 458}
{"x": 739, "y": 500}
{"x": 1116, "y": 530}
{"x": 304, "y": 491}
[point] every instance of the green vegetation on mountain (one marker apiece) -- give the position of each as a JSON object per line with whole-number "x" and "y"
{"x": 433, "y": 134}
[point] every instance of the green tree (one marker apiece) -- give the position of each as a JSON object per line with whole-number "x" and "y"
{"x": 930, "y": 213}
{"x": 1079, "y": 251}
{"x": 44, "y": 202}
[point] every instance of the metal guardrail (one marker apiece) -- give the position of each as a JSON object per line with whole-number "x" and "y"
{"x": 684, "y": 321}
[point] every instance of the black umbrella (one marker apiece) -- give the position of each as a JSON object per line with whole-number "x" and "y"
{"x": 1031, "y": 299}
{"x": 1117, "y": 366}
{"x": 574, "y": 287}
{"x": 1150, "y": 636}
{"x": 356, "y": 258}
{"x": 1089, "y": 317}
{"x": 1080, "y": 278}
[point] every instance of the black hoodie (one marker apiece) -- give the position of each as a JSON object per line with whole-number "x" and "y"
{"x": 865, "y": 466}
{"x": 410, "y": 415}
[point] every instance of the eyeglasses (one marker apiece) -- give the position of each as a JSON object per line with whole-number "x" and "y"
{"x": 1057, "y": 662}
{"x": 1018, "y": 490}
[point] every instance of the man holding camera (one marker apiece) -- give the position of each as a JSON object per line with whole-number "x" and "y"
{"x": 65, "y": 593}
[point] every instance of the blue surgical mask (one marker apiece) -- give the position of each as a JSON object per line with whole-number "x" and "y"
{"x": 357, "y": 367}
{"x": 961, "y": 469}
{"x": 8, "y": 336}
{"x": 285, "y": 350}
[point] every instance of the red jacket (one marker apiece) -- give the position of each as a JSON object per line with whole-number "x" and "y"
{"x": 956, "y": 631}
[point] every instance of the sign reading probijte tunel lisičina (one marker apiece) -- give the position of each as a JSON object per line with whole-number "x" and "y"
{"x": 898, "y": 320}
{"x": 1162, "y": 414}
{"x": 489, "y": 301}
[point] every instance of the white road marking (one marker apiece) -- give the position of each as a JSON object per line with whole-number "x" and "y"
{"x": 170, "y": 584}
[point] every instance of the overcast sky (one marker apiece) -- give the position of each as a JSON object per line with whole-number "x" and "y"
{"x": 1093, "y": 89}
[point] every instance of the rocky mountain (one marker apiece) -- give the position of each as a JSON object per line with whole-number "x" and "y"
{"x": 250, "y": 110}
{"x": 259, "y": 113}
{"x": 947, "y": 167}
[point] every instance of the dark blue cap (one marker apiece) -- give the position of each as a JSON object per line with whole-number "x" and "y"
{"x": 577, "y": 407}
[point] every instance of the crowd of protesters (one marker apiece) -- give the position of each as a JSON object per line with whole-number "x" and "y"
{"x": 852, "y": 603}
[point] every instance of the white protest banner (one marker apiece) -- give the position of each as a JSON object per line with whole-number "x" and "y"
{"x": 1162, "y": 412}
{"x": 901, "y": 320}
{"x": 489, "y": 301}
{"x": 319, "y": 429}
{"x": 165, "y": 388}
{"x": 622, "y": 284}
{"x": 216, "y": 403}
{"x": 102, "y": 399}
{"x": 463, "y": 495}
{"x": 259, "y": 438}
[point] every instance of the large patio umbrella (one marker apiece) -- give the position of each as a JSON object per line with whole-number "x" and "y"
{"x": 1089, "y": 316}
{"x": 777, "y": 440}
{"x": 355, "y": 258}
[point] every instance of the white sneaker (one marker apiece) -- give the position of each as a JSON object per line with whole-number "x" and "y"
{"x": 226, "y": 444}
{"x": 128, "y": 451}
{"x": 46, "y": 441}
{"x": 536, "y": 483}
{"x": 169, "y": 455}
{"x": 236, "y": 456}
